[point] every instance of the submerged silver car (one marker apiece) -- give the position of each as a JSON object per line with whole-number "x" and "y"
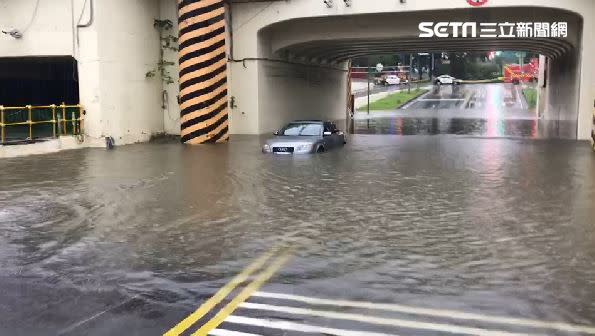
{"x": 305, "y": 136}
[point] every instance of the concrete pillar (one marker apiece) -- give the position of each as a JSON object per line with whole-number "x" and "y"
{"x": 593, "y": 125}
{"x": 203, "y": 71}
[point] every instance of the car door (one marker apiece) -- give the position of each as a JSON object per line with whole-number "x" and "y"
{"x": 337, "y": 138}
{"x": 327, "y": 140}
{"x": 330, "y": 141}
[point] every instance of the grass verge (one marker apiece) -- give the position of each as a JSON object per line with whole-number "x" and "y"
{"x": 530, "y": 96}
{"x": 393, "y": 101}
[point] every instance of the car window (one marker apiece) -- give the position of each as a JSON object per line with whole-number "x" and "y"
{"x": 302, "y": 129}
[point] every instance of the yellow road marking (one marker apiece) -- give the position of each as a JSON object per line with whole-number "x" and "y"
{"x": 220, "y": 295}
{"x": 244, "y": 295}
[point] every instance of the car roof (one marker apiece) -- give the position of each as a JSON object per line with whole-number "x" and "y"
{"x": 307, "y": 121}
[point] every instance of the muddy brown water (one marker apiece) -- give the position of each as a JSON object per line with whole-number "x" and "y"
{"x": 145, "y": 232}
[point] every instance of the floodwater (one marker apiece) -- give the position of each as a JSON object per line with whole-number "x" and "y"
{"x": 130, "y": 241}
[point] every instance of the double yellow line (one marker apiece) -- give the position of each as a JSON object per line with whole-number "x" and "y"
{"x": 277, "y": 262}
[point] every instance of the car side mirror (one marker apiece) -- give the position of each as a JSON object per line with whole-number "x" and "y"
{"x": 327, "y": 133}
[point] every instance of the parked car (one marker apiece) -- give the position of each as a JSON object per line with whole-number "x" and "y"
{"x": 392, "y": 80}
{"x": 446, "y": 79}
{"x": 380, "y": 79}
{"x": 304, "y": 137}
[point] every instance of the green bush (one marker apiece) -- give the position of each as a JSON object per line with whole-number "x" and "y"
{"x": 530, "y": 96}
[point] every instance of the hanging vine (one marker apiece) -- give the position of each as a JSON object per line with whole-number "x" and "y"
{"x": 167, "y": 41}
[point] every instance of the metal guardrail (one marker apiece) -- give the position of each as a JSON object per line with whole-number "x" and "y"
{"x": 27, "y": 123}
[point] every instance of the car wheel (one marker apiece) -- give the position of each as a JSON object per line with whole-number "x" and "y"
{"x": 320, "y": 149}
{"x": 438, "y": 83}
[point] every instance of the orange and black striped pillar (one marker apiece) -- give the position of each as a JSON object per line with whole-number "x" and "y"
{"x": 203, "y": 71}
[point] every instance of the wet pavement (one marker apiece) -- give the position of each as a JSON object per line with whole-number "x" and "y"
{"x": 496, "y": 97}
{"x": 131, "y": 241}
{"x": 483, "y": 110}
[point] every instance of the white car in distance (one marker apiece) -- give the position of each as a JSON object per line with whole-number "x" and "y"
{"x": 446, "y": 79}
{"x": 392, "y": 80}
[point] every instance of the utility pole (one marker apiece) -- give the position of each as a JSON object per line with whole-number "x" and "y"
{"x": 521, "y": 56}
{"x": 410, "y": 75}
{"x": 431, "y": 71}
{"x": 419, "y": 67}
{"x": 368, "y": 76}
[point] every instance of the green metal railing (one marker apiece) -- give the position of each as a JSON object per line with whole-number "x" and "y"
{"x": 28, "y": 123}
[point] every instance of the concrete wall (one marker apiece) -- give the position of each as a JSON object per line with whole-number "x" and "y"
{"x": 562, "y": 89}
{"x": 47, "y": 32}
{"x": 171, "y": 111}
{"x": 113, "y": 55}
{"x": 291, "y": 89}
{"x": 289, "y": 92}
{"x": 127, "y": 47}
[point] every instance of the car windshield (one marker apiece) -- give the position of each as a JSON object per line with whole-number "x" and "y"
{"x": 302, "y": 129}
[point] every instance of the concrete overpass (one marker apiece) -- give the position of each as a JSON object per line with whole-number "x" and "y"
{"x": 248, "y": 66}
{"x": 289, "y": 60}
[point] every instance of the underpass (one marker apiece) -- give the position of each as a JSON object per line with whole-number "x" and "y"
{"x": 320, "y": 59}
{"x": 463, "y": 213}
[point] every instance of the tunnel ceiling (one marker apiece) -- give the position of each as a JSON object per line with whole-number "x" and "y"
{"x": 338, "y": 38}
{"x": 338, "y": 50}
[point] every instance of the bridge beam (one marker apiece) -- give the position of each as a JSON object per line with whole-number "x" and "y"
{"x": 203, "y": 71}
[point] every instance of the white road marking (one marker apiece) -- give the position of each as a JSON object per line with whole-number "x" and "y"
{"x": 223, "y": 332}
{"x": 451, "y": 314}
{"x": 305, "y": 328}
{"x": 454, "y": 329}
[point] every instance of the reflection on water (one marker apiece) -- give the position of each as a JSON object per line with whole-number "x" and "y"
{"x": 493, "y": 226}
{"x": 492, "y": 127}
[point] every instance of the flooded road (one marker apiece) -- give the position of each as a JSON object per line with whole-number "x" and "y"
{"x": 494, "y": 98}
{"x": 131, "y": 241}
{"x": 484, "y": 110}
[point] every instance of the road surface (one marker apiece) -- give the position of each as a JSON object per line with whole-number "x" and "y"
{"x": 390, "y": 235}
{"x": 492, "y": 110}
